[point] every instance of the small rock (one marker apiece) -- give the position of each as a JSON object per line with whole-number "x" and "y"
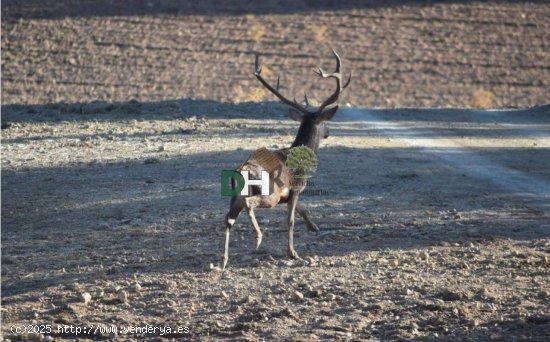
{"x": 449, "y": 296}
{"x": 340, "y": 263}
{"x": 122, "y": 297}
{"x": 287, "y": 263}
{"x": 161, "y": 148}
{"x": 299, "y": 296}
{"x": 115, "y": 288}
{"x": 331, "y": 296}
{"x": 375, "y": 307}
{"x": 424, "y": 255}
{"x": 99, "y": 293}
{"x": 213, "y": 268}
{"x": 315, "y": 293}
{"x": 383, "y": 261}
{"x": 287, "y": 312}
{"x": 85, "y": 297}
{"x": 136, "y": 287}
{"x": 170, "y": 285}
{"x": 47, "y": 338}
{"x": 310, "y": 261}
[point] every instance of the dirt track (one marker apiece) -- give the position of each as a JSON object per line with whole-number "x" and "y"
{"x": 435, "y": 225}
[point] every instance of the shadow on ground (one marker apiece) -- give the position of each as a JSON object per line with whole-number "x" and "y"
{"x": 119, "y": 218}
{"x": 34, "y": 9}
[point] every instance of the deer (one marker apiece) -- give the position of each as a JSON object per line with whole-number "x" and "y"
{"x": 313, "y": 128}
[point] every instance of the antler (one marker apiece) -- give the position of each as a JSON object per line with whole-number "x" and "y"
{"x": 275, "y": 91}
{"x": 336, "y": 75}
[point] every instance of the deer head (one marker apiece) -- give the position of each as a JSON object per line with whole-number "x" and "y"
{"x": 313, "y": 125}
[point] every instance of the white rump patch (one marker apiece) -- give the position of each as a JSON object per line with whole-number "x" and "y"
{"x": 284, "y": 192}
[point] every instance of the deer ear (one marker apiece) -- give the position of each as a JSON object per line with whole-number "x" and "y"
{"x": 326, "y": 115}
{"x": 295, "y": 115}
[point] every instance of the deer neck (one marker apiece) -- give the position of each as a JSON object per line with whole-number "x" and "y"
{"x": 308, "y": 135}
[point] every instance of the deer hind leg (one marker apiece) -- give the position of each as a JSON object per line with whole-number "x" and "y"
{"x": 251, "y": 203}
{"x": 292, "y": 201}
{"x": 312, "y": 227}
{"x": 236, "y": 206}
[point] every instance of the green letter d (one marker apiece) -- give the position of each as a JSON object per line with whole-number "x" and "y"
{"x": 232, "y": 182}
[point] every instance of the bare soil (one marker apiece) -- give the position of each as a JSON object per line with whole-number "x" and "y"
{"x": 435, "y": 223}
{"x": 401, "y": 53}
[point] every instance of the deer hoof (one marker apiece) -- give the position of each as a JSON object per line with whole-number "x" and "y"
{"x": 225, "y": 260}
{"x": 313, "y": 228}
{"x": 292, "y": 254}
{"x": 258, "y": 241}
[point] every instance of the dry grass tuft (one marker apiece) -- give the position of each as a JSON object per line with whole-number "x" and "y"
{"x": 256, "y": 30}
{"x": 482, "y": 99}
{"x": 266, "y": 72}
{"x": 319, "y": 32}
{"x": 253, "y": 94}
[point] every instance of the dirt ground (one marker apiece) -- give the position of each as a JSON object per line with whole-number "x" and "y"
{"x": 435, "y": 223}
{"x": 401, "y": 53}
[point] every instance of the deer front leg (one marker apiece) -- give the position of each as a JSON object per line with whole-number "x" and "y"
{"x": 236, "y": 206}
{"x": 292, "y": 201}
{"x": 312, "y": 227}
{"x": 226, "y": 245}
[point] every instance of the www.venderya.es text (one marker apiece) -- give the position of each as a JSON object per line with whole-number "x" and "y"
{"x": 99, "y": 329}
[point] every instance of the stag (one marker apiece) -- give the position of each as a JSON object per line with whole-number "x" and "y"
{"x": 313, "y": 128}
